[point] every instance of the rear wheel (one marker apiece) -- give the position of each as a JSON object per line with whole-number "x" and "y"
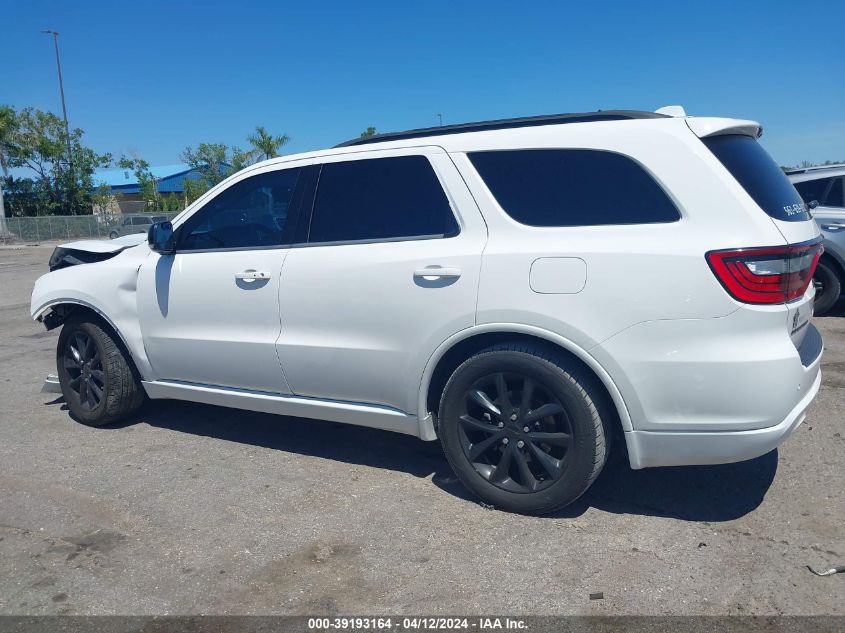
{"x": 97, "y": 380}
{"x": 828, "y": 288}
{"x": 523, "y": 429}
{"x": 113, "y": 235}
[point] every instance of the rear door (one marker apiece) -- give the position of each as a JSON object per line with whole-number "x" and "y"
{"x": 387, "y": 270}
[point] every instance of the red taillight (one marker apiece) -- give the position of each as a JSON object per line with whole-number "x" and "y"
{"x": 775, "y": 274}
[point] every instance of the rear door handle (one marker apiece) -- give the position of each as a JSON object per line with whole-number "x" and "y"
{"x": 437, "y": 271}
{"x": 252, "y": 274}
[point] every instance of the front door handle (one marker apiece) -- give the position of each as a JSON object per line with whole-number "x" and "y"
{"x": 252, "y": 274}
{"x": 438, "y": 271}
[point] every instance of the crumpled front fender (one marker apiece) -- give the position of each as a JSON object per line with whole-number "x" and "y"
{"x": 109, "y": 288}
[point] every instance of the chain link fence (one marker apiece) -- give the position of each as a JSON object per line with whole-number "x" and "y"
{"x": 60, "y": 227}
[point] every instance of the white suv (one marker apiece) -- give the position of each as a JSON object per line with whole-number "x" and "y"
{"x": 522, "y": 290}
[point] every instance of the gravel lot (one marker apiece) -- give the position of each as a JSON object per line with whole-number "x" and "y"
{"x": 194, "y": 508}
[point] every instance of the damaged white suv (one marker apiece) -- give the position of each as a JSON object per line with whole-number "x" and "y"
{"x": 523, "y": 290}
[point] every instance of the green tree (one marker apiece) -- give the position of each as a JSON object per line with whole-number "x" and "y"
{"x": 265, "y": 145}
{"x": 370, "y": 131}
{"x": 147, "y": 186}
{"x": 38, "y": 144}
{"x": 212, "y": 162}
{"x": 8, "y": 126}
{"x": 103, "y": 202}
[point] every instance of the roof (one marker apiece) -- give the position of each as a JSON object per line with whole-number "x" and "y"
{"x": 502, "y": 124}
{"x": 126, "y": 177}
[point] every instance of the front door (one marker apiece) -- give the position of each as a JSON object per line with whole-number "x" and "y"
{"x": 209, "y": 313}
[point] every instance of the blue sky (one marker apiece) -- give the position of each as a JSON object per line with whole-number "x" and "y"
{"x": 153, "y": 77}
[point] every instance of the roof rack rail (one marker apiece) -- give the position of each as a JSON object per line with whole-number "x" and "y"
{"x": 502, "y": 124}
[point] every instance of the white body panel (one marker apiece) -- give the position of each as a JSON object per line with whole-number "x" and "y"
{"x": 203, "y": 325}
{"x": 350, "y": 333}
{"x": 107, "y": 246}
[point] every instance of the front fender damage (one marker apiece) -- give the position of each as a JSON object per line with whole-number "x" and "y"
{"x": 107, "y": 288}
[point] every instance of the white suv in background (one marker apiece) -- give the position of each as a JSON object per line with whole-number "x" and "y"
{"x": 520, "y": 289}
{"x": 823, "y": 188}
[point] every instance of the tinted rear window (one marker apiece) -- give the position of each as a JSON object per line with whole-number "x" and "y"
{"x": 573, "y": 187}
{"x": 759, "y": 175}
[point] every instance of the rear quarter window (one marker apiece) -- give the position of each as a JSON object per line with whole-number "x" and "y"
{"x": 759, "y": 175}
{"x": 573, "y": 187}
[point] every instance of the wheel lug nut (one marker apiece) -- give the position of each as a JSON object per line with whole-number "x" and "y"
{"x": 520, "y": 444}
{"x": 513, "y": 417}
{"x": 501, "y": 425}
{"x": 526, "y": 429}
{"x": 505, "y": 441}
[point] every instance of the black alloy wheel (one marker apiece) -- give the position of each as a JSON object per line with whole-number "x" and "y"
{"x": 525, "y": 427}
{"x": 515, "y": 432}
{"x": 84, "y": 367}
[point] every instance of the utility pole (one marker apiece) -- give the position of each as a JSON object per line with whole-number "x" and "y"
{"x": 55, "y": 35}
{"x": 440, "y": 116}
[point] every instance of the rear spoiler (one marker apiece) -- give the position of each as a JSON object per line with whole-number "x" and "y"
{"x": 712, "y": 126}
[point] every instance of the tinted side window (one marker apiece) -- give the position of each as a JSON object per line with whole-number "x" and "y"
{"x": 759, "y": 175}
{"x": 810, "y": 190}
{"x": 250, "y": 213}
{"x": 834, "y": 196}
{"x": 380, "y": 198}
{"x": 573, "y": 187}
{"x": 137, "y": 221}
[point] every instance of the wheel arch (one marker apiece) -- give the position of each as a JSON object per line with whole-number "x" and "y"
{"x": 462, "y": 345}
{"x": 832, "y": 261}
{"x": 56, "y": 312}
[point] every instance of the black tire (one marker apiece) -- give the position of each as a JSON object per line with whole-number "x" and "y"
{"x": 113, "y": 235}
{"x": 574, "y": 434}
{"x": 97, "y": 379}
{"x": 828, "y": 288}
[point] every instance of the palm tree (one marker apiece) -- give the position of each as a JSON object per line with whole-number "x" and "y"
{"x": 264, "y": 144}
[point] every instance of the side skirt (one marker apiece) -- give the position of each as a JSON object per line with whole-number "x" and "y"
{"x": 369, "y": 415}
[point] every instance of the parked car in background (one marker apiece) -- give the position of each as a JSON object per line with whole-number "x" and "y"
{"x": 523, "y": 290}
{"x": 135, "y": 223}
{"x": 823, "y": 188}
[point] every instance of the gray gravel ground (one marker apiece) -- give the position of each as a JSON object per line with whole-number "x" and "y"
{"x": 198, "y": 509}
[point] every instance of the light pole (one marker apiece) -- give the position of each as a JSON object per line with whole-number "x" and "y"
{"x": 440, "y": 116}
{"x": 55, "y": 35}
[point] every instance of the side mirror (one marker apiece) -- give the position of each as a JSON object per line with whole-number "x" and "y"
{"x": 812, "y": 204}
{"x": 160, "y": 238}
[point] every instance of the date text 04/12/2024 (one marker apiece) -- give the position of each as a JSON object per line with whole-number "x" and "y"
{"x": 415, "y": 624}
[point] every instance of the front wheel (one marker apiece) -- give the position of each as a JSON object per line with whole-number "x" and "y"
{"x": 524, "y": 428}
{"x": 113, "y": 235}
{"x": 828, "y": 288}
{"x": 97, "y": 380}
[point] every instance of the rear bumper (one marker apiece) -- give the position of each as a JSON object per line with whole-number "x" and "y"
{"x": 653, "y": 448}
{"x": 712, "y": 391}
